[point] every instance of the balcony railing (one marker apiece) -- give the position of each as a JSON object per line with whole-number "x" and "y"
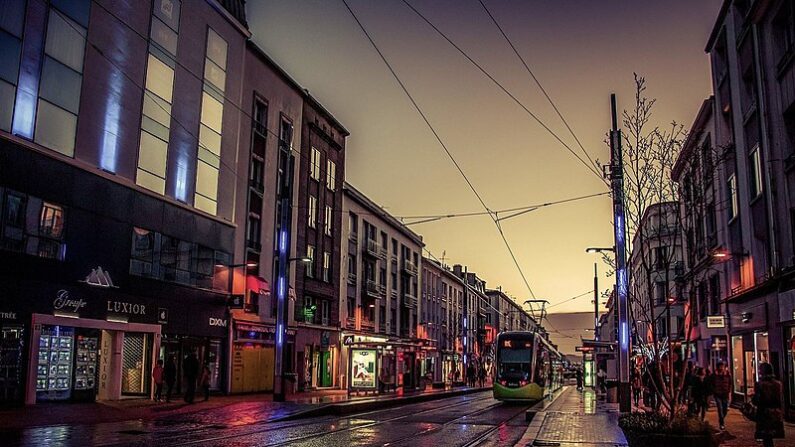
{"x": 409, "y": 267}
{"x": 352, "y": 278}
{"x": 374, "y": 289}
{"x": 350, "y": 322}
{"x": 372, "y": 248}
{"x": 368, "y": 325}
{"x": 410, "y": 301}
{"x": 393, "y": 293}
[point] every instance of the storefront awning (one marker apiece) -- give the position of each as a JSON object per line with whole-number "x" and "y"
{"x": 257, "y": 284}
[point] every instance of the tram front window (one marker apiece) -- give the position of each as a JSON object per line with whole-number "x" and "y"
{"x": 514, "y": 360}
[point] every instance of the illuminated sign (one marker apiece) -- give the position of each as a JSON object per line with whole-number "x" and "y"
{"x": 363, "y": 368}
{"x": 716, "y": 322}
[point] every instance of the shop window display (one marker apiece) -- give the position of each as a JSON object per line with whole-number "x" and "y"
{"x": 54, "y": 368}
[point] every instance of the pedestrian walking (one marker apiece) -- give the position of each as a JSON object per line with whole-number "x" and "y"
{"x": 482, "y": 376}
{"x": 720, "y": 383}
{"x": 769, "y": 408}
{"x": 601, "y": 377}
{"x": 699, "y": 393}
{"x": 637, "y": 386}
{"x": 204, "y": 381}
{"x": 578, "y": 376}
{"x": 190, "y": 370}
{"x": 157, "y": 379}
{"x": 170, "y": 376}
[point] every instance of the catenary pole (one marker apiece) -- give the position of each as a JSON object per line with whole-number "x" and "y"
{"x": 595, "y": 304}
{"x": 619, "y": 232}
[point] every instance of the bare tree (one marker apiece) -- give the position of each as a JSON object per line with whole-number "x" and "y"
{"x": 654, "y": 223}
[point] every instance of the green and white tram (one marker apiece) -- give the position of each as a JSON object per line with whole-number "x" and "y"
{"x": 528, "y": 367}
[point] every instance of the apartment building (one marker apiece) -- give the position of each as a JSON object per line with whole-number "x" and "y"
{"x": 379, "y": 304}
{"x": 118, "y": 134}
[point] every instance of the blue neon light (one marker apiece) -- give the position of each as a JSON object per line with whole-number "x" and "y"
{"x": 181, "y": 185}
{"x": 24, "y": 111}
{"x": 624, "y": 335}
{"x": 281, "y": 288}
{"x": 283, "y": 241}
{"x": 109, "y": 148}
{"x": 280, "y": 335}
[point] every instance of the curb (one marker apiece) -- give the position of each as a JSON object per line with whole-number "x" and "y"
{"x": 350, "y": 407}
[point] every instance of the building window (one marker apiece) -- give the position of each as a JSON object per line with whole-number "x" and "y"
{"x": 157, "y": 256}
{"x": 312, "y": 211}
{"x": 784, "y": 32}
{"x": 12, "y": 21}
{"x": 331, "y": 175}
{"x": 353, "y": 224}
{"x": 210, "y": 127}
{"x": 325, "y": 312}
{"x": 157, "y": 100}
{"x": 310, "y": 266}
{"x": 659, "y": 292}
{"x": 733, "y": 203}
{"x": 755, "y": 167}
{"x": 326, "y": 266}
{"x": 714, "y": 295}
{"x": 327, "y": 221}
{"x": 351, "y": 265}
{"x": 314, "y": 168}
{"x": 51, "y": 222}
{"x": 62, "y": 77}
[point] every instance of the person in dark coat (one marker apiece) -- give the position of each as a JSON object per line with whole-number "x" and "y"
{"x": 578, "y": 376}
{"x": 769, "y": 408}
{"x": 170, "y": 376}
{"x": 699, "y": 393}
{"x": 720, "y": 383}
{"x": 190, "y": 369}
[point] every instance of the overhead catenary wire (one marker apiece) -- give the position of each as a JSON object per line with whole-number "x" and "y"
{"x": 538, "y": 83}
{"x": 587, "y": 165}
{"x": 438, "y": 139}
{"x": 516, "y": 211}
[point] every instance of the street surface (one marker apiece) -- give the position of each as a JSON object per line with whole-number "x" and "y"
{"x": 475, "y": 419}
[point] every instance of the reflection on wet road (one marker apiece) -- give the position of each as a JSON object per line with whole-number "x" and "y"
{"x": 476, "y": 419}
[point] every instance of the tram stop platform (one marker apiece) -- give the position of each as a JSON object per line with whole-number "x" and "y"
{"x": 573, "y": 419}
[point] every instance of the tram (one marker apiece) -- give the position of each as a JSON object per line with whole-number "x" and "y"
{"x": 528, "y": 367}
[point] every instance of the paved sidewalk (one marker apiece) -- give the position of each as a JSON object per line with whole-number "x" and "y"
{"x": 575, "y": 419}
{"x": 740, "y": 431}
{"x": 219, "y": 409}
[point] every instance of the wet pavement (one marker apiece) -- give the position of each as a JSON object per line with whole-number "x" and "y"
{"x": 575, "y": 419}
{"x": 474, "y": 419}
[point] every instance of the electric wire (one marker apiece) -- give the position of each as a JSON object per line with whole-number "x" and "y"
{"x": 588, "y": 166}
{"x": 538, "y": 83}
{"x": 440, "y": 141}
{"x": 517, "y": 211}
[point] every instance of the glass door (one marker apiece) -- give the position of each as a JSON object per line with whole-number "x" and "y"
{"x": 11, "y": 346}
{"x": 136, "y": 364}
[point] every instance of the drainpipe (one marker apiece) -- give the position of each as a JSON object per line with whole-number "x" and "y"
{"x": 765, "y": 147}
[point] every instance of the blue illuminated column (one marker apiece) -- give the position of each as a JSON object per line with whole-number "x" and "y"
{"x": 619, "y": 227}
{"x": 286, "y": 164}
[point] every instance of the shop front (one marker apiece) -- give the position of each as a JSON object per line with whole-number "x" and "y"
{"x": 750, "y": 346}
{"x": 253, "y": 356}
{"x": 83, "y": 342}
{"x": 317, "y": 358}
{"x": 12, "y": 356}
{"x": 381, "y": 365}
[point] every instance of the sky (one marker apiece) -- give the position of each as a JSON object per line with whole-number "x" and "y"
{"x": 580, "y": 50}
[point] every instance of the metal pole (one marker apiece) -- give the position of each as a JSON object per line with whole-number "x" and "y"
{"x": 619, "y": 227}
{"x": 287, "y": 163}
{"x": 595, "y": 304}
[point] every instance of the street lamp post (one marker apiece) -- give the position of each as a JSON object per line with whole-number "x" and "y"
{"x": 596, "y": 289}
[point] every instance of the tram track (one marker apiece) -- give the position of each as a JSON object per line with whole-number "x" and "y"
{"x": 280, "y": 426}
